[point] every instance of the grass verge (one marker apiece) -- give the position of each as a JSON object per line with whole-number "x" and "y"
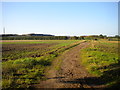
{"x": 101, "y": 59}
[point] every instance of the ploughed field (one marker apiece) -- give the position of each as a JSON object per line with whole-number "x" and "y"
{"x": 24, "y": 61}
{"x": 65, "y": 63}
{"x": 20, "y": 49}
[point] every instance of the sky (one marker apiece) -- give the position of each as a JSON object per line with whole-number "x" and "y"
{"x": 60, "y": 18}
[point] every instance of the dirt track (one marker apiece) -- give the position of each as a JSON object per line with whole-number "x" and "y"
{"x": 70, "y": 74}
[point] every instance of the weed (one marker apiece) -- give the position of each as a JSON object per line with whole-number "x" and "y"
{"x": 101, "y": 59}
{"x": 26, "y": 63}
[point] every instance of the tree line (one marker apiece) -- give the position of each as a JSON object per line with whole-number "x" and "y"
{"x": 91, "y": 37}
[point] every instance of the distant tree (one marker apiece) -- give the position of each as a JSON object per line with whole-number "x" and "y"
{"x": 117, "y": 36}
{"x": 74, "y": 38}
{"x": 101, "y": 36}
{"x": 82, "y": 37}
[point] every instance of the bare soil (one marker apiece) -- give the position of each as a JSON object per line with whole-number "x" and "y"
{"x": 68, "y": 72}
{"x": 16, "y": 51}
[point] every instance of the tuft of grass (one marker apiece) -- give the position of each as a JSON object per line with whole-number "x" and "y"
{"x": 23, "y": 72}
{"x": 102, "y": 59}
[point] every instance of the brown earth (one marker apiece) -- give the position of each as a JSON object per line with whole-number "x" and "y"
{"x": 67, "y": 72}
{"x": 16, "y": 51}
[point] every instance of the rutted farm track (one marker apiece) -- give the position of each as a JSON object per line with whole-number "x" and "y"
{"x": 66, "y": 71}
{"x": 60, "y": 64}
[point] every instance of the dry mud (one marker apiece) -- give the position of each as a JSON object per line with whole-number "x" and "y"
{"x": 70, "y": 73}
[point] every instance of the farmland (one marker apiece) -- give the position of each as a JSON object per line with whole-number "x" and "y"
{"x": 77, "y": 63}
{"x": 102, "y": 59}
{"x": 24, "y": 61}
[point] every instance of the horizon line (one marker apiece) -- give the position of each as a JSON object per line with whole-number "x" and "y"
{"x": 62, "y": 35}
